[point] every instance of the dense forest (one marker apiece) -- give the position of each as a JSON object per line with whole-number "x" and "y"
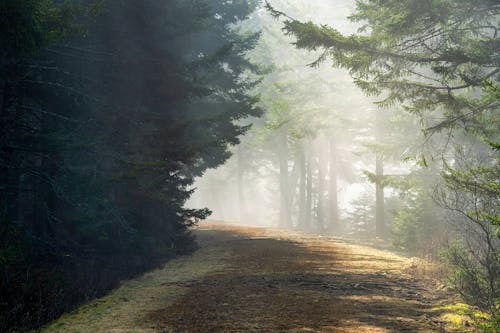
{"x": 108, "y": 112}
{"x": 123, "y": 124}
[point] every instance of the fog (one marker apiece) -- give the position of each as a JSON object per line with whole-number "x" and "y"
{"x": 304, "y": 164}
{"x": 124, "y": 124}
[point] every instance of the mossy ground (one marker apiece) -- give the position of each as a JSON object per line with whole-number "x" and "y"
{"x": 461, "y": 317}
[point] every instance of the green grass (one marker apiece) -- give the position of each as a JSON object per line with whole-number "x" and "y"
{"x": 461, "y": 317}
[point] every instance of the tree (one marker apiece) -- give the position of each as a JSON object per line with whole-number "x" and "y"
{"x": 430, "y": 55}
{"x": 105, "y": 120}
{"x": 439, "y": 60}
{"x": 420, "y": 226}
{"x": 471, "y": 193}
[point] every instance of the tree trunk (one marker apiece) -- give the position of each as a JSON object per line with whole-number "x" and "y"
{"x": 322, "y": 164}
{"x": 292, "y": 184}
{"x": 379, "y": 197}
{"x": 379, "y": 177}
{"x": 333, "y": 190}
{"x": 301, "y": 223}
{"x": 284, "y": 220}
{"x": 241, "y": 190}
{"x": 309, "y": 189}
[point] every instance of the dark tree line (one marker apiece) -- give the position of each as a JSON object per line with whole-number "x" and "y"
{"x": 108, "y": 111}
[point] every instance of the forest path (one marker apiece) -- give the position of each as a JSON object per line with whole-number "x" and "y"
{"x": 264, "y": 280}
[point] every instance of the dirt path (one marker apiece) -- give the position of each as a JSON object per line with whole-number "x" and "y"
{"x": 261, "y": 280}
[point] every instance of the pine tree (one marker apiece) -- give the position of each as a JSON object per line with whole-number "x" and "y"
{"x": 108, "y": 114}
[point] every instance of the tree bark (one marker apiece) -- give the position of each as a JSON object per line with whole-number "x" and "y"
{"x": 309, "y": 189}
{"x": 333, "y": 190}
{"x": 379, "y": 177}
{"x": 301, "y": 223}
{"x": 240, "y": 184}
{"x": 379, "y": 198}
{"x": 322, "y": 165}
{"x": 284, "y": 219}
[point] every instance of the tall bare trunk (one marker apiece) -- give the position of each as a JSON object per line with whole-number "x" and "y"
{"x": 309, "y": 189}
{"x": 379, "y": 198}
{"x": 240, "y": 184}
{"x": 301, "y": 224}
{"x": 332, "y": 191}
{"x": 322, "y": 164}
{"x": 379, "y": 177}
{"x": 284, "y": 221}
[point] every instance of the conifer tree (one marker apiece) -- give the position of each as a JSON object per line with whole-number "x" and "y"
{"x": 108, "y": 112}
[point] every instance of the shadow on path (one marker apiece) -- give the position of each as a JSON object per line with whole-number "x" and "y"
{"x": 274, "y": 285}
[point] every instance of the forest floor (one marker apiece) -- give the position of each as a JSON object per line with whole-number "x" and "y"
{"x": 266, "y": 280}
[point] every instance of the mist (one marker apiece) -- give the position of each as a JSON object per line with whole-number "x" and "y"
{"x": 319, "y": 129}
{"x": 249, "y": 166}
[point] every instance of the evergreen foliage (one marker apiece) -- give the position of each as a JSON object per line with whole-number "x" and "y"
{"x": 438, "y": 60}
{"x": 432, "y": 56}
{"x": 108, "y": 112}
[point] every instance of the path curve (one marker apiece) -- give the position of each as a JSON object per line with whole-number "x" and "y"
{"x": 263, "y": 280}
